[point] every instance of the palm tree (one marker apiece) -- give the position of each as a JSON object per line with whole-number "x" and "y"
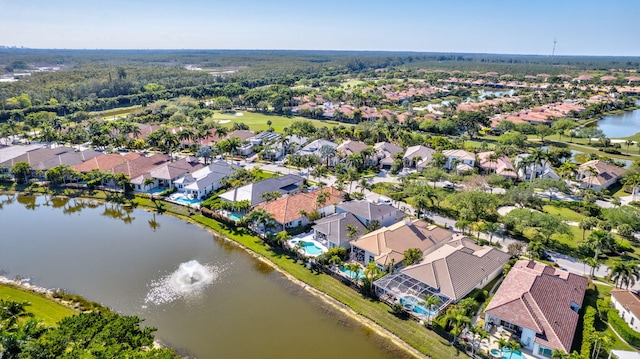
{"x": 233, "y": 145}
{"x": 430, "y": 302}
{"x": 457, "y": 319}
{"x": 352, "y": 231}
{"x": 634, "y": 182}
{"x": 21, "y": 169}
{"x": 327, "y": 153}
{"x": 478, "y": 334}
{"x": 599, "y": 240}
{"x": 534, "y": 249}
{"x": 354, "y": 270}
{"x": 411, "y": 256}
{"x": 625, "y": 273}
{"x": 354, "y": 161}
{"x": 628, "y": 143}
{"x": 491, "y": 228}
{"x": 423, "y": 201}
{"x": 11, "y": 312}
{"x": 593, "y": 264}
{"x": 587, "y": 224}
{"x": 261, "y": 217}
{"x": 322, "y": 198}
{"x": 363, "y": 184}
{"x": 513, "y": 346}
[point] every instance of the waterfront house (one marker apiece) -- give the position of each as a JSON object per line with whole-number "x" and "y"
{"x": 292, "y": 210}
{"x": 540, "y": 305}
{"x": 332, "y": 230}
{"x": 166, "y": 174}
{"x": 286, "y": 184}
{"x": 367, "y": 212}
{"x": 205, "y": 180}
{"x": 386, "y": 246}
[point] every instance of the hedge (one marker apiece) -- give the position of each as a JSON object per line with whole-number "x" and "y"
{"x": 622, "y": 328}
{"x": 587, "y": 331}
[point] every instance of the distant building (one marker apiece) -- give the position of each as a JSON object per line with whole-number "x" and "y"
{"x": 628, "y": 305}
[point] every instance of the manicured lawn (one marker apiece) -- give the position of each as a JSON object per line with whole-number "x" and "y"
{"x": 411, "y": 332}
{"x": 258, "y": 121}
{"x": 352, "y": 83}
{"x": 564, "y": 213}
{"x": 44, "y": 309}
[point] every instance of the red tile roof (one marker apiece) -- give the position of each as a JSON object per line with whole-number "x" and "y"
{"x": 539, "y": 297}
{"x": 287, "y": 209}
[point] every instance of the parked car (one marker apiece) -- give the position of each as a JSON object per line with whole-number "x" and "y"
{"x": 449, "y": 185}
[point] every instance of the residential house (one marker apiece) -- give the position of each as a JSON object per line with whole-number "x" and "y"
{"x": 459, "y": 160}
{"x": 332, "y": 230}
{"x": 451, "y": 272}
{"x": 386, "y": 153}
{"x": 292, "y": 211}
{"x": 386, "y": 246}
{"x": 531, "y": 171}
{"x": 164, "y": 175}
{"x": 351, "y": 147}
{"x": 266, "y": 137}
{"x": 628, "y": 305}
{"x": 205, "y": 180}
{"x": 105, "y": 162}
{"x": 598, "y": 174}
{"x": 45, "y": 158}
{"x": 368, "y": 212}
{"x": 540, "y": 305}
{"x": 286, "y": 184}
{"x": 314, "y": 147}
{"x": 10, "y": 152}
{"x": 623, "y": 354}
{"x": 499, "y": 165}
{"x": 418, "y": 157}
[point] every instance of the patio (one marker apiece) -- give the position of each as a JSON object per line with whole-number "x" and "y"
{"x": 491, "y": 345}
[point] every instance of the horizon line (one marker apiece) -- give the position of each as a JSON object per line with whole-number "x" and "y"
{"x": 7, "y": 47}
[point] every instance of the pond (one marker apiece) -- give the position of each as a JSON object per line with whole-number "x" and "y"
{"x": 207, "y": 297}
{"x": 623, "y": 125}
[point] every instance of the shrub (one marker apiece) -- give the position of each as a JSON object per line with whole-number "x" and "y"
{"x": 622, "y": 328}
{"x": 587, "y": 331}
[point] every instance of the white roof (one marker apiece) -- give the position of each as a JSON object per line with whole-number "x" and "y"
{"x": 623, "y": 354}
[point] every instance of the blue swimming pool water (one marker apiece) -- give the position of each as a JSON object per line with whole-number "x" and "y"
{"x": 506, "y": 354}
{"x": 235, "y": 216}
{"x": 416, "y": 307}
{"x": 156, "y": 191}
{"x": 311, "y": 248}
{"x": 186, "y": 200}
{"x": 350, "y": 274}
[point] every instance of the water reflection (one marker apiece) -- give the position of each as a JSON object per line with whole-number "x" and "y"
{"x": 28, "y": 201}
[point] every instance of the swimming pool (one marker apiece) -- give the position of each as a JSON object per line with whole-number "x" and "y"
{"x": 350, "y": 274}
{"x": 235, "y": 216}
{"x": 414, "y": 305}
{"x": 186, "y": 201}
{"x": 309, "y": 248}
{"x": 506, "y": 354}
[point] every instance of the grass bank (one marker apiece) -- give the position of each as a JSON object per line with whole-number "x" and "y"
{"x": 47, "y": 310}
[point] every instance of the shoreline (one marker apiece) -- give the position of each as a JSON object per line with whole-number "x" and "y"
{"x": 326, "y": 298}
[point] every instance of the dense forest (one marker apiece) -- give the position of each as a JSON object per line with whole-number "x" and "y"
{"x": 68, "y": 81}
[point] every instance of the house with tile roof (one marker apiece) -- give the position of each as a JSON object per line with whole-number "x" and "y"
{"x": 313, "y": 148}
{"x": 166, "y": 174}
{"x": 105, "y": 162}
{"x": 386, "y": 152}
{"x": 418, "y": 156}
{"x": 499, "y": 165}
{"x": 332, "y": 230}
{"x": 350, "y": 147}
{"x": 628, "y": 305}
{"x": 205, "y": 180}
{"x": 598, "y": 174}
{"x": 386, "y": 246}
{"x": 540, "y": 305}
{"x": 368, "y": 212}
{"x": 288, "y": 211}
{"x": 459, "y": 160}
{"x": 450, "y": 272}
{"x": 286, "y": 184}
{"x": 45, "y": 158}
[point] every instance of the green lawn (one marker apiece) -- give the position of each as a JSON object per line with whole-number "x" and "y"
{"x": 46, "y": 310}
{"x": 564, "y": 213}
{"x": 352, "y": 83}
{"x": 258, "y": 121}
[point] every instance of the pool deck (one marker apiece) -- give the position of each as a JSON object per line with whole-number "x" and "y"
{"x": 307, "y": 237}
{"x": 492, "y": 342}
{"x": 173, "y": 198}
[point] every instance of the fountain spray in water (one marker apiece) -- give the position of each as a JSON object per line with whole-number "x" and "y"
{"x": 188, "y": 280}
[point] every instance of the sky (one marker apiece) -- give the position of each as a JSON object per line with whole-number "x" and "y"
{"x": 581, "y": 27}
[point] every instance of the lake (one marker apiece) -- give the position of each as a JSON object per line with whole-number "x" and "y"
{"x": 622, "y": 125}
{"x": 228, "y": 304}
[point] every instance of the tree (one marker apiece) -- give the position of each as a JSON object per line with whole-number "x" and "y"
{"x": 513, "y": 346}
{"x": 364, "y": 185}
{"x": 472, "y": 121}
{"x": 543, "y": 131}
{"x": 491, "y": 228}
{"x": 261, "y": 218}
{"x": 430, "y": 303}
{"x": 354, "y": 270}
{"x": 352, "y": 231}
{"x": 411, "y": 256}
{"x": 551, "y": 185}
{"x": 434, "y": 174}
{"x": 473, "y": 205}
{"x": 600, "y": 240}
{"x": 535, "y": 249}
{"x": 478, "y": 334}
{"x": 11, "y": 312}
{"x": 21, "y": 170}
{"x": 593, "y": 264}
{"x": 625, "y": 273}
{"x": 457, "y": 319}
{"x": 562, "y": 125}
{"x": 587, "y": 224}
